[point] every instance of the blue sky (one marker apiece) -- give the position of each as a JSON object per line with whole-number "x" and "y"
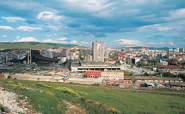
{"x": 120, "y": 23}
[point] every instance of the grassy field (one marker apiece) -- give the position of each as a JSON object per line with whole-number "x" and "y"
{"x": 96, "y": 100}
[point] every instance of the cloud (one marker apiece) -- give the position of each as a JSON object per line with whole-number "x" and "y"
{"x": 27, "y": 28}
{"x": 27, "y": 39}
{"x": 73, "y": 41}
{"x": 57, "y": 28}
{"x": 152, "y": 43}
{"x": 21, "y": 28}
{"x": 6, "y": 27}
{"x": 61, "y": 39}
{"x": 177, "y": 14}
{"x": 171, "y": 43}
{"x": 18, "y": 37}
{"x": 49, "y": 35}
{"x": 128, "y": 42}
{"x": 4, "y": 36}
{"x": 55, "y": 34}
{"x": 84, "y": 42}
{"x": 154, "y": 27}
{"x": 13, "y": 19}
{"x": 47, "y": 15}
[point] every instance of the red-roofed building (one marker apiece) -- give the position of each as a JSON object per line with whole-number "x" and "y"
{"x": 121, "y": 56}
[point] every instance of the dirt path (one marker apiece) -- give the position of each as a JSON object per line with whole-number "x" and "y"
{"x": 72, "y": 109}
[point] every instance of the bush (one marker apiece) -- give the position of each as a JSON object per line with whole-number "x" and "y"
{"x": 9, "y": 77}
{"x": 95, "y": 84}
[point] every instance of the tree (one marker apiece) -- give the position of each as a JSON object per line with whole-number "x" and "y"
{"x": 181, "y": 75}
{"x": 134, "y": 80}
{"x": 105, "y": 59}
{"x": 140, "y": 65}
{"x": 131, "y": 74}
{"x": 183, "y": 67}
{"x": 146, "y": 74}
{"x": 167, "y": 74}
{"x": 80, "y": 55}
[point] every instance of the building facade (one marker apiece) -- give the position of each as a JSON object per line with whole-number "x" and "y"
{"x": 93, "y": 74}
{"x": 170, "y": 53}
{"x": 112, "y": 74}
{"x": 98, "y": 51}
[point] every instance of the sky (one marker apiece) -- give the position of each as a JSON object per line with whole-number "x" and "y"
{"x": 119, "y": 23}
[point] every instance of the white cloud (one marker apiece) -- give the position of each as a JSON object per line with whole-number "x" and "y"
{"x": 33, "y": 39}
{"x": 17, "y": 37}
{"x": 4, "y": 36}
{"x": 73, "y": 41}
{"x": 164, "y": 28}
{"x": 155, "y": 26}
{"x": 27, "y": 39}
{"x": 61, "y": 39}
{"x": 27, "y": 28}
{"x": 55, "y": 34}
{"x": 84, "y": 42}
{"x": 13, "y": 19}
{"x": 6, "y": 27}
{"x": 152, "y": 43}
{"x": 171, "y": 43}
{"x": 48, "y": 35}
{"x": 128, "y": 42}
{"x": 46, "y": 15}
{"x": 57, "y": 28}
{"x": 177, "y": 14}
{"x": 48, "y": 40}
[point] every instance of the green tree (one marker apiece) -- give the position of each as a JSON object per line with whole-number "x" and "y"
{"x": 183, "y": 67}
{"x": 146, "y": 74}
{"x": 131, "y": 74}
{"x": 134, "y": 80}
{"x": 80, "y": 55}
{"x": 167, "y": 74}
{"x": 181, "y": 75}
{"x": 140, "y": 65}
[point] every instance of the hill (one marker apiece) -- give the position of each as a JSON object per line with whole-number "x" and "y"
{"x": 50, "y": 98}
{"x": 11, "y": 45}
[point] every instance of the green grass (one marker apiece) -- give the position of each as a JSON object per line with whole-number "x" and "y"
{"x": 126, "y": 102}
{"x": 169, "y": 90}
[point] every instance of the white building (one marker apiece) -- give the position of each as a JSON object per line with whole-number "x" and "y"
{"x": 170, "y": 53}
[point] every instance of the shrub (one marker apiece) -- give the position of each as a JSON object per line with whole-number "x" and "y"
{"x": 43, "y": 85}
{"x": 67, "y": 90}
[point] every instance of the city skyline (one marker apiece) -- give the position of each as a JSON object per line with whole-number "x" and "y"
{"x": 145, "y": 23}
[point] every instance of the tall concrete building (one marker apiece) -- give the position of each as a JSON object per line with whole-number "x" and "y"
{"x": 98, "y": 51}
{"x": 170, "y": 53}
{"x": 65, "y": 52}
{"x": 183, "y": 50}
{"x": 177, "y": 49}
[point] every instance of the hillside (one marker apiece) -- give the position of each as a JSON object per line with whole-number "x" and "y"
{"x": 58, "y": 98}
{"x": 11, "y": 45}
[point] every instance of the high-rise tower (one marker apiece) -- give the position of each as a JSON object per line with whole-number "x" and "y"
{"x": 98, "y": 51}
